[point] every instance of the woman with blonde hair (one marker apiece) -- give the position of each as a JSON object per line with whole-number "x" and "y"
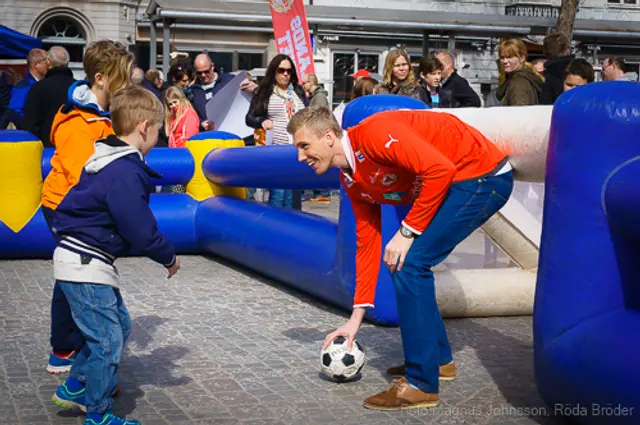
{"x": 180, "y": 119}
{"x": 523, "y": 84}
{"x": 82, "y": 120}
{"x": 398, "y": 77}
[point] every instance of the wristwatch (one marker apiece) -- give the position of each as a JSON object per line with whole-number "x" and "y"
{"x": 407, "y": 233}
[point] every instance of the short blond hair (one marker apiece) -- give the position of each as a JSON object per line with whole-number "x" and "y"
{"x": 132, "y": 105}
{"x": 315, "y": 118}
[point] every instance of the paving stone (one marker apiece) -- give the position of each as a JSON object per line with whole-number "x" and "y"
{"x": 217, "y": 344}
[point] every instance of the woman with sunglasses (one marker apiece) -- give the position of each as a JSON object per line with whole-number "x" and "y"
{"x": 276, "y": 99}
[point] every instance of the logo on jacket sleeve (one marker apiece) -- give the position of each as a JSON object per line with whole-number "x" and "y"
{"x": 394, "y": 196}
{"x": 375, "y": 176}
{"x": 389, "y": 179}
{"x": 366, "y": 196}
{"x": 390, "y": 142}
{"x": 348, "y": 181}
{"x": 360, "y": 156}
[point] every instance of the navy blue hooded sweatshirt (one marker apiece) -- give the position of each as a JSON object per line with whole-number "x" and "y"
{"x": 106, "y": 214}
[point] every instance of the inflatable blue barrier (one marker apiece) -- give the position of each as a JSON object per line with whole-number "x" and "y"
{"x": 586, "y": 314}
{"x": 311, "y": 253}
{"x": 176, "y": 165}
{"x": 32, "y": 241}
{"x": 46, "y": 161}
{"x": 276, "y": 167}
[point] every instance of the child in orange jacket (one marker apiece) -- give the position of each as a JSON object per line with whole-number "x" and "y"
{"x": 82, "y": 120}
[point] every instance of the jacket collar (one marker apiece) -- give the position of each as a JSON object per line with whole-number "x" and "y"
{"x": 59, "y": 70}
{"x": 116, "y": 148}
{"x": 80, "y": 96}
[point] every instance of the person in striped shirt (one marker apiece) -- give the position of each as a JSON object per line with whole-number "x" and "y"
{"x": 277, "y": 98}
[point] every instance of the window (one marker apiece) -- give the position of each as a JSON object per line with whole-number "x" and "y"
{"x": 249, "y": 61}
{"x": 627, "y": 2}
{"x": 345, "y": 64}
{"x": 64, "y": 31}
{"x": 343, "y": 67}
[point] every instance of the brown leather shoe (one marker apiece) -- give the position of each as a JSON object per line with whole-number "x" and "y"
{"x": 400, "y": 396}
{"x": 447, "y": 371}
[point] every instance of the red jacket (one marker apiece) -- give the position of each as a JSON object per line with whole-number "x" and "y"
{"x": 406, "y": 157}
{"x": 186, "y": 124}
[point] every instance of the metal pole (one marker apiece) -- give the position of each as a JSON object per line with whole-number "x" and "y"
{"x": 452, "y": 44}
{"x": 425, "y": 43}
{"x": 153, "y": 45}
{"x": 250, "y": 17}
{"x": 166, "y": 45}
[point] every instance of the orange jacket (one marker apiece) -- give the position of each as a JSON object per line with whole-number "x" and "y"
{"x": 406, "y": 157}
{"x": 73, "y": 134}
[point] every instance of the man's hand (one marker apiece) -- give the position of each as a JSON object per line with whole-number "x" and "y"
{"x": 207, "y": 125}
{"x": 349, "y": 330}
{"x": 174, "y": 269}
{"x": 396, "y": 251}
{"x": 249, "y": 86}
{"x": 267, "y": 124}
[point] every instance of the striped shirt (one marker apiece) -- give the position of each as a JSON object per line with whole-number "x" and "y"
{"x": 280, "y": 115}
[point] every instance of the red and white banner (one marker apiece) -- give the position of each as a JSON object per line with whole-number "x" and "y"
{"x": 292, "y": 34}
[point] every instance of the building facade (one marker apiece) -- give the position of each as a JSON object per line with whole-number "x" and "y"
{"x": 72, "y": 24}
{"x": 346, "y": 36}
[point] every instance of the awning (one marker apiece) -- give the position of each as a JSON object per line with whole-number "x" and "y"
{"x": 374, "y": 18}
{"x": 15, "y": 44}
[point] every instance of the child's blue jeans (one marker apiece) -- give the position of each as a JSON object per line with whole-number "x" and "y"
{"x": 103, "y": 319}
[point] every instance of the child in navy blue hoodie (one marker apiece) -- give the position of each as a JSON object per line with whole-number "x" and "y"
{"x": 104, "y": 216}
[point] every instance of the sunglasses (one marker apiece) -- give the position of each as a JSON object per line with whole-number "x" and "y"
{"x": 284, "y": 71}
{"x": 206, "y": 71}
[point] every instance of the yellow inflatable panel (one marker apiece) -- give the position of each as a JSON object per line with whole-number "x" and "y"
{"x": 199, "y": 187}
{"x": 20, "y": 182}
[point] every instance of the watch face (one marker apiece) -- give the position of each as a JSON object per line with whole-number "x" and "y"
{"x": 406, "y": 232}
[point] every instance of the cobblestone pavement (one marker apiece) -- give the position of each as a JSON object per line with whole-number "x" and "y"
{"x": 221, "y": 345}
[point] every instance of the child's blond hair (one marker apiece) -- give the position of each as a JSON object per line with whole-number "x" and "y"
{"x": 132, "y": 105}
{"x": 112, "y": 60}
{"x": 174, "y": 93}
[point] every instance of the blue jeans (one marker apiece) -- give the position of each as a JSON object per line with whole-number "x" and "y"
{"x": 280, "y": 198}
{"x": 466, "y": 207}
{"x": 104, "y": 321}
{"x": 65, "y": 335}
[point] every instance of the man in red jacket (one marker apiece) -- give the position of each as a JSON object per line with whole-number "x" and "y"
{"x": 454, "y": 178}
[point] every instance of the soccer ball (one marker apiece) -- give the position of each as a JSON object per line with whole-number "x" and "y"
{"x": 340, "y": 364}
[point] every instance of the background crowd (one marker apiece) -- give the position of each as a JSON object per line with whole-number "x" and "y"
{"x": 33, "y": 103}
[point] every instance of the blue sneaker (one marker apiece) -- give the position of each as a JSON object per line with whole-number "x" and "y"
{"x": 68, "y": 399}
{"x": 108, "y": 419}
{"x": 58, "y": 364}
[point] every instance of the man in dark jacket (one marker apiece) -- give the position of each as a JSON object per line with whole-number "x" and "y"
{"x": 47, "y": 96}
{"x": 209, "y": 82}
{"x": 556, "y": 49}
{"x": 462, "y": 95}
{"x": 37, "y": 67}
{"x": 318, "y": 96}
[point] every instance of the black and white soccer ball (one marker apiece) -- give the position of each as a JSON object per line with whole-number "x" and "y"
{"x": 340, "y": 364}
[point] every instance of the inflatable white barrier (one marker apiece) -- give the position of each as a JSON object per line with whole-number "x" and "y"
{"x": 523, "y": 131}
{"x": 516, "y": 229}
{"x": 485, "y": 292}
